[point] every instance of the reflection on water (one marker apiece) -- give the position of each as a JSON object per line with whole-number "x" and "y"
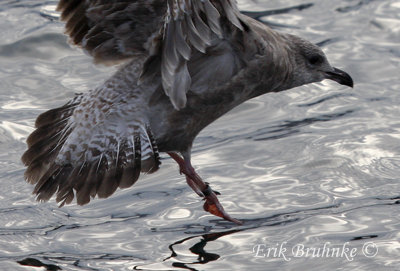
{"x": 198, "y": 249}
{"x": 37, "y": 263}
{"x": 196, "y": 244}
{"x": 317, "y": 165}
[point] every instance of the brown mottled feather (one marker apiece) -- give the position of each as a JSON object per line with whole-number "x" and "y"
{"x": 129, "y": 176}
{"x": 65, "y": 188}
{"x": 48, "y": 184}
{"x": 46, "y": 131}
{"x": 121, "y": 22}
{"x": 114, "y": 31}
{"x": 83, "y": 179}
{"x": 80, "y": 181}
{"x": 153, "y": 162}
{"x": 56, "y": 115}
{"x": 39, "y": 150}
{"x": 109, "y": 184}
{"x": 88, "y": 188}
{"x": 67, "y": 7}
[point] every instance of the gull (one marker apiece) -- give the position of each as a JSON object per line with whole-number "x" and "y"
{"x": 182, "y": 65}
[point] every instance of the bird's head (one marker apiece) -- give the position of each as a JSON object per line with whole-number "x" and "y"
{"x": 311, "y": 64}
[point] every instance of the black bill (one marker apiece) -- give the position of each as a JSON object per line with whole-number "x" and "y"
{"x": 341, "y": 77}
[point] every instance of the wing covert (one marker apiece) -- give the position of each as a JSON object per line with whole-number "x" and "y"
{"x": 190, "y": 24}
{"x": 115, "y": 30}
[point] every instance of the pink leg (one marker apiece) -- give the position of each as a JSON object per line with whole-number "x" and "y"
{"x": 193, "y": 185}
{"x": 212, "y": 204}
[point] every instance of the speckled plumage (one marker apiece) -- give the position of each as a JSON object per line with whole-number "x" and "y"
{"x": 187, "y": 63}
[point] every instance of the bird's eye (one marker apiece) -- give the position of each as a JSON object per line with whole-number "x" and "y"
{"x": 315, "y": 59}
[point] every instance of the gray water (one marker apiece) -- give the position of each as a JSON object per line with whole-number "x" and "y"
{"x": 313, "y": 171}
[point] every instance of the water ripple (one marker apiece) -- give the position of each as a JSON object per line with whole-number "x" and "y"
{"x": 313, "y": 165}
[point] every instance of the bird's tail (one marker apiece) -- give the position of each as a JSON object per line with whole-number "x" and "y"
{"x": 66, "y": 161}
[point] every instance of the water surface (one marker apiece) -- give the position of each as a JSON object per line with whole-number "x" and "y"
{"x": 313, "y": 167}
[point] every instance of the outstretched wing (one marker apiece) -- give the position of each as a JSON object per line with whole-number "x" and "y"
{"x": 115, "y": 30}
{"x": 94, "y": 144}
{"x": 112, "y": 30}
